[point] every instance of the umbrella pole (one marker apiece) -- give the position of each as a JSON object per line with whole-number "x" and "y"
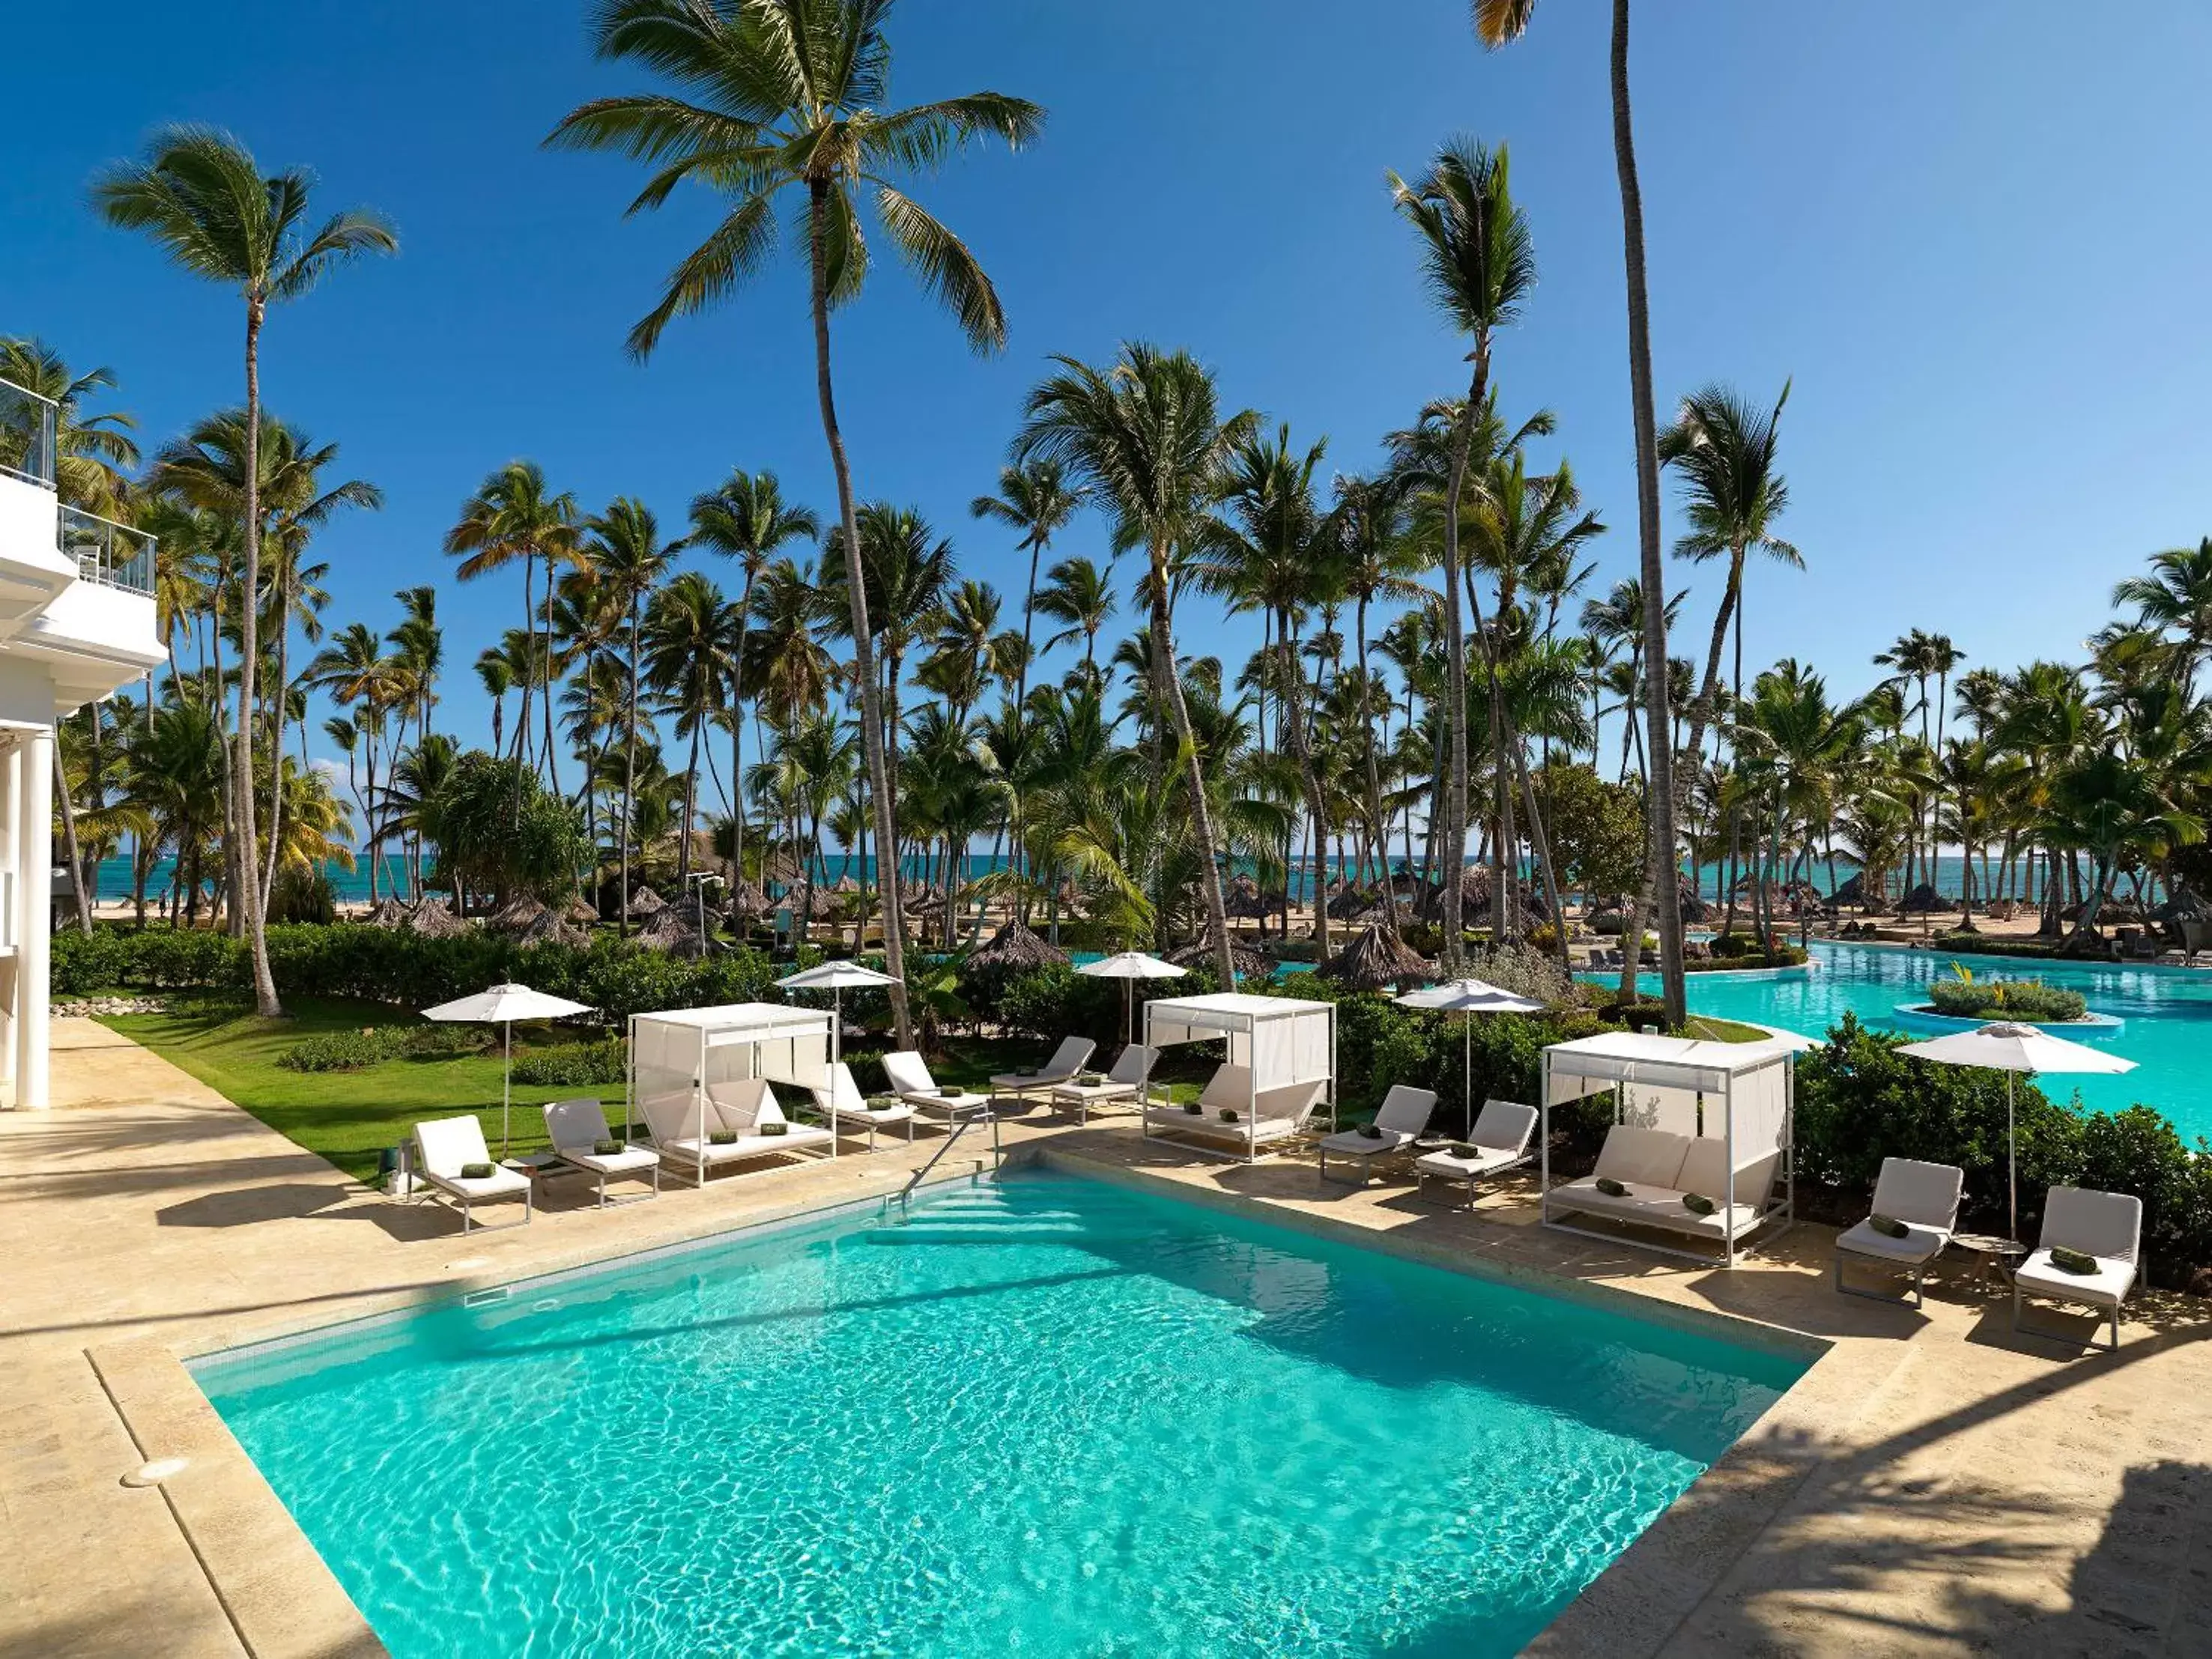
{"x": 2012, "y": 1161}
{"x": 507, "y": 1090}
{"x": 1467, "y": 1068}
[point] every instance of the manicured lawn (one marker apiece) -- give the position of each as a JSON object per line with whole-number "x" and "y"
{"x": 349, "y": 1117}
{"x": 1721, "y": 1030}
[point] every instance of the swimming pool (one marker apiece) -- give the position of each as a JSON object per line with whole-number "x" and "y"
{"x": 2166, "y": 1014}
{"x": 1048, "y": 1415}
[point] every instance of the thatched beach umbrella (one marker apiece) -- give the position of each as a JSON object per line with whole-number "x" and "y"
{"x": 746, "y": 898}
{"x": 672, "y": 929}
{"x": 522, "y": 912}
{"x": 1242, "y": 899}
{"x": 1247, "y": 963}
{"x": 1374, "y": 961}
{"x": 386, "y": 912}
{"x": 644, "y": 901}
{"x": 431, "y": 918}
{"x": 1014, "y": 947}
{"x": 1349, "y": 901}
{"x": 582, "y": 912}
{"x": 549, "y": 927}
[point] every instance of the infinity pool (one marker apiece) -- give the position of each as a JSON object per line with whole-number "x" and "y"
{"x": 1046, "y": 1416}
{"x": 2168, "y": 1010}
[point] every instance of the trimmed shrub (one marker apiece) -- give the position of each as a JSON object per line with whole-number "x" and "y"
{"x": 1051, "y": 1003}
{"x": 2006, "y": 999}
{"x": 302, "y": 894}
{"x": 349, "y": 1051}
{"x": 575, "y": 1064}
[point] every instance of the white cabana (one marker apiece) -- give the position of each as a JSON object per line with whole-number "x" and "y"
{"x": 1693, "y": 1121}
{"x": 1281, "y": 1067}
{"x": 695, "y": 1072}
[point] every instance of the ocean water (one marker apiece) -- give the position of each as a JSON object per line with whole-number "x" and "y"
{"x": 1044, "y": 1416}
{"x": 2166, "y": 1014}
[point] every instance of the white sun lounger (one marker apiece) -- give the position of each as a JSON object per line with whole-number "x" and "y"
{"x": 1126, "y": 1081}
{"x": 1402, "y": 1117}
{"x": 2106, "y": 1227}
{"x": 576, "y": 1126}
{"x": 684, "y": 1131}
{"x": 446, "y": 1146}
{"x": 1068, "y": 1060}
{"x": 842, "y": 1102}
{"x": 1925, "y": 1198}
{"x": 908, "y": 1076}
{"x": 1499, "y": 1140}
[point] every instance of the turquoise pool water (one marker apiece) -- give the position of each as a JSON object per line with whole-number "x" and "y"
{"x": 2167, "y": 1014}
{"x": 1047, "y": 1417}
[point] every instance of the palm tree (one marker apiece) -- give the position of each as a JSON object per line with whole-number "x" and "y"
{"x": 202, "y": 197}
{"x": 90, "y": 451}
{"x": 496, "y": 675}
{"x": 2176, "y": 597}
{"x": 1148, "y": 437}
{"x": 515, "y": 514}
{"x": 746, "y": 519}
{"x": 627, "y": 559}
{"x": 1480, "y": 264}
{"x": 690, "y": 637}
{"x": 1037, "y": 500}
{"x": 792, "y": 94}
{"x": 1497, "y": 22}
{"x": 1077, "y": 594}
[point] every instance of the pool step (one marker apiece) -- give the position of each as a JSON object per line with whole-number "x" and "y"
{"x": 955, "y": 1232}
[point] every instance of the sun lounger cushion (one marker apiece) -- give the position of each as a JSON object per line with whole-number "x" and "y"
{"x": 2106, "y": 1288}
{"x": 449, "y": 1144}
{"x": 2105, "y": 1225}
{"x": 1919, "y": 1243}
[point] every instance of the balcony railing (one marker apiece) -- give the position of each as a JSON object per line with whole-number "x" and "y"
{"x": 113, "y": 554}
{"x": 26, "y": 435}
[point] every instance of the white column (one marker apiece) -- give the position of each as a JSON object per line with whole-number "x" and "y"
{"x": 11, "y": 907}
{"x": 34, "y": 803}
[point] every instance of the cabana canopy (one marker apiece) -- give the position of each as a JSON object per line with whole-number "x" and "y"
{"x": 1281, "y": 1064}
{"x": 680, "y": 1058}
{"x": 1712, "y": 1120}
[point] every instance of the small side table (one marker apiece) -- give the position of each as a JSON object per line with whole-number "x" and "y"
{"x": 1999, "y": 1258}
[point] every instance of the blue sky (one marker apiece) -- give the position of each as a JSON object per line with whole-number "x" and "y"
{"x": 1975, "y": 235}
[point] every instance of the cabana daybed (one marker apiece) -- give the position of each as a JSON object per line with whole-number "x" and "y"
{"x": 704, "y": 1080}
{"x": 1281, "y": 1068}
{"x": 1693, "y": 1121}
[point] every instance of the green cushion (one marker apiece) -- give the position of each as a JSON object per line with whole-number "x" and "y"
{"x": 1228, "y": 1115}
{"x": 1888, "y": 1226}
{"x": 1194, "y": 1108}
{"x": 769, "y": 1128}
{"x": 1611, "y": 1188}
{"x": 1370, "y": 1132}
{"x": 475, "y": 1172}
{"x": 1698, "y": 1204}
{"x": 607, "y": 1148}
{"x": 723, "y": 1138}
{"x": 2079, "y": 1262}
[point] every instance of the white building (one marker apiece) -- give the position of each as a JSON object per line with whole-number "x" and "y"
{"x": 76, "y": 621}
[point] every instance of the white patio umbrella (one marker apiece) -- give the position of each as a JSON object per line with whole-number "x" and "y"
{"x": 1129, "y": 966}
{"x": 1469, "y": 997}
{"x": 2015, "y": 1050}
{"x": 836, "y": 978}
{"x": 502, "y": 1005}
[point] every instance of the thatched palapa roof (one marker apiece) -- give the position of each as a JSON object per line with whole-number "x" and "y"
{"x": 549, "y": 928}
{"x": 432, "y": 920}
{"x": 644, "y": 901}
{"x": 672, "y": 929}
{"x": 1376, "y": 960}
{"x": 582, "y": 912}
{"x": 518, "y": 915}
{"x": 1015, "y": 948}
{"x": 1247, "y": 961}
{"x": 386, "y": 912}
{"x": 746, "y": 899}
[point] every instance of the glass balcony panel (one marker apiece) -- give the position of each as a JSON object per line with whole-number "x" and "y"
{"x": 26, "y": 435}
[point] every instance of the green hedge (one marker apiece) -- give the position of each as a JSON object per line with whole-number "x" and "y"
{"x": 379, "y": 964}
{"x": 575, "y": 1064}
{"x": 1860, "y": 1101}
{"x": 350, "y": 1051}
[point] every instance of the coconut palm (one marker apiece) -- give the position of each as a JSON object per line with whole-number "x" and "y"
{"x": 792, "y": 95}
{"x": 1038, "y": 501}
{"x": 747, "y": 519}
{"x": 626, "y": 557}
{"x": 1077, "y": 594}
{"x": 2176, "y": 598}
{"x": 690, "y": 636}
{"x": 1480, "y": 263}
{"x": 91, "y": 451}
{"x": 1496, "y": 23}
{"x": 1148, "y": 436}
{"x": 201, "y": 197}
{"x": 516, "y": 514}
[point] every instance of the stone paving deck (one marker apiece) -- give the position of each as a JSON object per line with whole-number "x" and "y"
{"x": 1934, "y": 1485}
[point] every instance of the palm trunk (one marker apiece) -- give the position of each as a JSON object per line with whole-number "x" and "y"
{"x": 529, "y": 654}
{"x": 249, "y": 894}
{"x": 1168, "y": 686}
{"x": 1662, "y": 807}
{"x": 738, "y": 735}
{"x": 70, "y": 846}
{"x": 552, "y": 758}
{"x": 629, "y": 774}
{"x": 1452, "y": 855}
{"x": 1375, "y": 786}
{"x": 1294, "y": 713}
{"x": 277, "y": 737}
{"x": 871, "y": 733}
